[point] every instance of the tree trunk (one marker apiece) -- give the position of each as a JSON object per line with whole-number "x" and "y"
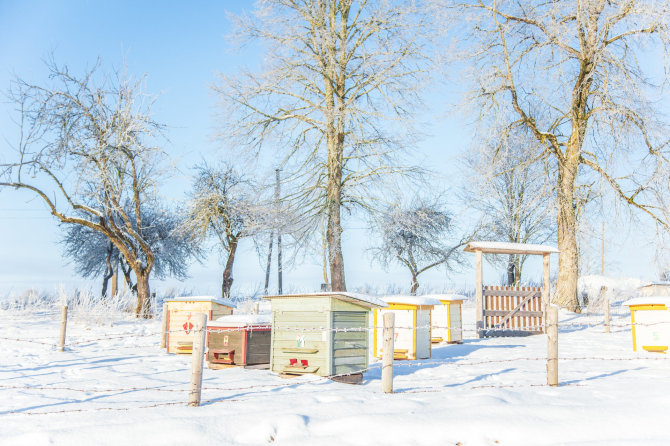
{"x": 566, "y": 289}
{"x": 335, "y": 140}
{"x": 227, "y": 278}
{"x": 115, "y": 280}
{"x": 143, "y": 294}
{"x": 415, "y": 284}
{"x": 511, "y": 270}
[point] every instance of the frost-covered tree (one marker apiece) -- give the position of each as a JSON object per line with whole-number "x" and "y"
{"x": 334, "y": 98}
{"x": 227, "y": 206}
{"x": 512, "y": 193}
{"x": 418, "y": 235}
{"x": 86, "y": 148}
{"x": 95, "y": 256}
{"x": 578, "y": 75}
{"x": 92, "y": 253}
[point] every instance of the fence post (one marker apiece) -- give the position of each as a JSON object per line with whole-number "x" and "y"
{"x": 63, "y": 327}
{"x": 607, "y": 315}
{"x": 387, "y": 355}
{"x": 197, "y": 357}
{"x": 256, "y": 307}
{"x": 164, "y": 326}
{"x": 479, "y": 308}
{"x": 552, "y": 345}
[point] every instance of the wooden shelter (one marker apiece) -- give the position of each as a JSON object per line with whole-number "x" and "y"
{"x": 180, "y": 311}
{"x": 504, "y": 311}
{"x": 447, "y": 318}
{"x": 322, "y": 333}
{"x": 412, "y": 326}
{"x": 239, "y": 339}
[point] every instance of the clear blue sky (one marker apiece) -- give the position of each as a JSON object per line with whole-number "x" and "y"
{"x": 180, "y": 46}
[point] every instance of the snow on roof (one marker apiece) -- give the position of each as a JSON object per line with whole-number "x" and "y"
{"x": 509, "y": 248}
{"x": 411, "y": 300}
{"x": 444, "y": 297}
{"x": 226, "y": 302}
{"x": 364, "y": 299}
{"x": 649, "y": 300}
{"x": 656, "y": 283}
{"x": 238, "y": 320}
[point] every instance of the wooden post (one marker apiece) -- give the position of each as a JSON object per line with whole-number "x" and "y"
{"x": 607, "y": 315}
{"x": 164, "y": 326}
{"x": 387, "y": 355}
{"x": 256, "y": 307}
{"x": 63, "y": 328}
{"x": 546, "y": 288}
{"x": 197, "y": 357}
{"x": 552, "y": 345}
{"x": 479, "y": 310}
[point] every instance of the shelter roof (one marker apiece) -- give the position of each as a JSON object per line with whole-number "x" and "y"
{"x": 509, "y": 248}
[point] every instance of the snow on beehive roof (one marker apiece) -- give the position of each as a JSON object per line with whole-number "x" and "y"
{"x": 411, "y": 300}
{"x": 238, "y": 320}
{"x": 442, "y": 297}
{"x": 509, "y": 248}
{"x": 649, "y": 300}
{"x": 218, "y": 300}
{"x": 361, "y": 299}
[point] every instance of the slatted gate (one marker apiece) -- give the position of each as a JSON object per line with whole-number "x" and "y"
{"x": 512, "y": 311}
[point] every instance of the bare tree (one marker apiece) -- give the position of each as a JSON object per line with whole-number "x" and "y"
{"x": 84, "y": 149}
{"x": 418, "y": 235}
{"x": 513, "y": 195}
{"x": 340, "y": 81}
{"x": 570, "y": 73}
{"x": 227, "y": 206}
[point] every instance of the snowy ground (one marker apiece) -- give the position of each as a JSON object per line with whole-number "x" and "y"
{"x": 483, "y": 392}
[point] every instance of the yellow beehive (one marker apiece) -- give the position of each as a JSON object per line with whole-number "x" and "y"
{"x": 180, "y": 318}
{"x": 447, "y": 319}
{"x": 651, "y": 323}
{"x": 412, "y": 326}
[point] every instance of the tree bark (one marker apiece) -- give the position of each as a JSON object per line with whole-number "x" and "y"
{"x": 143, "y": 294}
{"x": 415, "y": 284}
{"x": 109, "y": 272}
{"x": 227, "y": 277}
{"x": 568, "y": 257}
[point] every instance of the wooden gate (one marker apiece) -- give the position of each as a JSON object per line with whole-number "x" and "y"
{"x": 512, "y": 311}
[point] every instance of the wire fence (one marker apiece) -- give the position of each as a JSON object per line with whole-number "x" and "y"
{"x": 82, "y": 343}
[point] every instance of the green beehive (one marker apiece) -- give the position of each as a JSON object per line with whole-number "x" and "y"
{"x": 324, "y": 333}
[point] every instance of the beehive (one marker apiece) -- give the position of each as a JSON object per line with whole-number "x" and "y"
{"x": 412, "y": 339}
{"x": 322, "y": 333}
{"x": 446, "y": 318}
{"x": 650, "y": 316}
{"x": 239, "y": 339}
{"x": 180, "y": 318}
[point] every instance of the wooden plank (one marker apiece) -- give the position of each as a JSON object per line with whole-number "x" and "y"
{"x": 517, "y": 308}
{"x": 350, "y": 352}
{"x": 350, "y": 361}
{"x": 503, "y": 313}
{"x": 510, "y": 292}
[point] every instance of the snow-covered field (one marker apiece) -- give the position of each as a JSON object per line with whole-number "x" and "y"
{"x": 123, "y": 390}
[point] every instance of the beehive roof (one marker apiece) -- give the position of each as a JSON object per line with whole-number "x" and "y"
{"x": 443, "y": 297}
{"x": 356, "y": 298}
{"x": 649, "y": 300}
{"x": 411, "y": 300}
{"x": 218, "y": 300}
{"x": 240, "y": 320}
